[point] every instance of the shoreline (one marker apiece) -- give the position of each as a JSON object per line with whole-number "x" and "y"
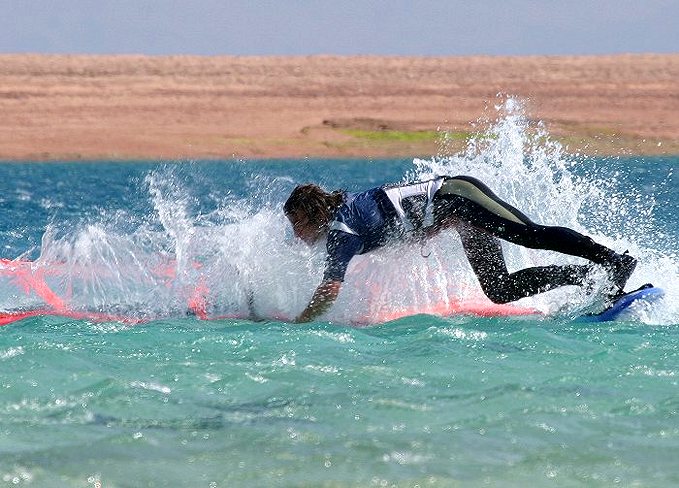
{"x": 133, "y": 107}
{"x": 293, "y": 159}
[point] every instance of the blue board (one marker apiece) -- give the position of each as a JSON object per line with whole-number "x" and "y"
{"x": 647, "y": 294}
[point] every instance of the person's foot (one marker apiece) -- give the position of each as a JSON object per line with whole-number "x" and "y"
{"x": 615, "y": 296}
{"x": 620, "y": 268}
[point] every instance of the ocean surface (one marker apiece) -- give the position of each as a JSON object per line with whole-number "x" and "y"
{"x": 161, "y": 396}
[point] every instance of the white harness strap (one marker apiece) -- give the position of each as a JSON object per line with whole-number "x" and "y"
{"x": 434, "y": 186}
{"x": 341, "y": 226}
{"x": 399, "y": 193}
{"x": 335, "y": 225}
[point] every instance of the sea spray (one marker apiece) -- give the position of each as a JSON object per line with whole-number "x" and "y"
{"x": 215, "y": 243}
{"x": 531, "y": 171}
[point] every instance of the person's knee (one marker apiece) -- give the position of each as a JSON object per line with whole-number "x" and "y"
{"x": 496, "y": 291}
{"x": 498, "y": 298}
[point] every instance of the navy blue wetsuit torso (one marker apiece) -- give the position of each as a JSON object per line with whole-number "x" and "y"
{"x": 367, "y": 220}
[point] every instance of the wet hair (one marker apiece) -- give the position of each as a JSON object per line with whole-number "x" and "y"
{"x": 317, "y": 204}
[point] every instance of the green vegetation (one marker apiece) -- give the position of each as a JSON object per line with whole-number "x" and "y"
{"x": 403, "y": 135}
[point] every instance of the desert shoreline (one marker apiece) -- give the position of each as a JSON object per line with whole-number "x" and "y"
{"x": 130, "y": 107}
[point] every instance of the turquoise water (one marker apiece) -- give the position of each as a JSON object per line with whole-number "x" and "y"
{"x": 418, "y": 401}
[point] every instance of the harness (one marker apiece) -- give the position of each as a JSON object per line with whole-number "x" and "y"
{"x": 414, "y": 203}
{"x": 400, "y": 209}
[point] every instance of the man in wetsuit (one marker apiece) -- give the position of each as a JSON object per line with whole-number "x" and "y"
{"x": 356, "y": 223}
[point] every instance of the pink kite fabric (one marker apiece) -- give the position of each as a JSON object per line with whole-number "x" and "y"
{"x": 29, "y": 278}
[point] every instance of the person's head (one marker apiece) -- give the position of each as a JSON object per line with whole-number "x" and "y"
{"x": 309, "y": 209}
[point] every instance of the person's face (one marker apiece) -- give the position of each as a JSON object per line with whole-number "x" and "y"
{"x": 304, "y": 229}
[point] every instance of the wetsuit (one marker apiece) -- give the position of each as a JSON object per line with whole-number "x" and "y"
{"x": 368, "y": 220}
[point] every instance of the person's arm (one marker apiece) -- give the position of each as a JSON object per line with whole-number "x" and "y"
{"x": 324, "y": 296}
{"x": 341, "y": 248}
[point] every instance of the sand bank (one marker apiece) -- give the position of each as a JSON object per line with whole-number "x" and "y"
{"x": 129, "y": 107}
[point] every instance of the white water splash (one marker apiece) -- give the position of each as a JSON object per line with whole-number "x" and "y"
{"x": 241, "y": 261}
{"x": 533, "y": 173}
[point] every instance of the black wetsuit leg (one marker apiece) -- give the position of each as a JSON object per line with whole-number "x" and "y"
{"x": 481, "y": 217}
{"x": 484, "y": 253}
